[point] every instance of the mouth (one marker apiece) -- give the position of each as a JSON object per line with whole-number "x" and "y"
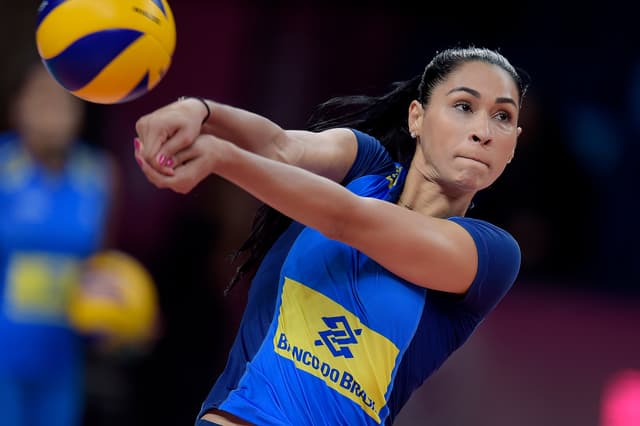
{"x": 476, "y": 160}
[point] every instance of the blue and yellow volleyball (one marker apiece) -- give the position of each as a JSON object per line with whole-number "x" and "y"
{"x": 106, "y": 51}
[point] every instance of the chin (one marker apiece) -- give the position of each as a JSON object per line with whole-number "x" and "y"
{"x": 470, "y": 182}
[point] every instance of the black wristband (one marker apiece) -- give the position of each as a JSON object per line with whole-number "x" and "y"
{"x": 206, "y": 105}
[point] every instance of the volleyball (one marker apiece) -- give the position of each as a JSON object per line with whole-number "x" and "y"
{"x": 115, "y": 300}
{"x": 106, "y": 51}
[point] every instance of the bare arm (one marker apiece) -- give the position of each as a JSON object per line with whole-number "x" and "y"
{"x": 176, "y": 126}
{"x": 430, "y": 252}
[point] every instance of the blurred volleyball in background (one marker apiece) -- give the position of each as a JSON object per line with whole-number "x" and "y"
{"x": 115, "y": 300}
{"x": 106, "y": 51}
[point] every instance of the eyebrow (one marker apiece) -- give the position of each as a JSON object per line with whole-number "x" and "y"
{"x": 476, "y": 94}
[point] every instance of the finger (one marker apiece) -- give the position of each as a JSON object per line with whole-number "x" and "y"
{"x": 151, "y": 133}
{"x": 141, "y": 126}
{"x": 185, "y": 135}
{"x": 156, "y": 178}
{"x": 183, "y": 138}
{"x": 158, "y": 130}
{"x": 137, "y": 145}
{"x": 151, "y": 175}
{"x": 184, "y": 157}
{"x": 188, "y": 175}
{"x": 178, "y": 143}
{"x": 195, "y": 149}
{"x": 155, "y": 129}
{"x": 164, "y": 169}
{"x": 168, "y": 131}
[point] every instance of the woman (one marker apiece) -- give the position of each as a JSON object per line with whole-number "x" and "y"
{"x": 58, "y": 198}
{"x": 379, "y": 281}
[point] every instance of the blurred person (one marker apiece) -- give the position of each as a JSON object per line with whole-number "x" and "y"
{"x": 372, "y": 284}
{"x": 57, "y": 198}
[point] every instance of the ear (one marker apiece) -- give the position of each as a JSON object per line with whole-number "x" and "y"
{"x": 416, "y": 113}
{"x": 513, "y": 153}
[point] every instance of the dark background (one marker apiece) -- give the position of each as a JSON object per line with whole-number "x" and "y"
{"x": 570, "y": 196}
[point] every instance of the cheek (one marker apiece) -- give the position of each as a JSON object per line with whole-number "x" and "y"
{"x": 510, "y": 147}
{"x": 440, "y": 136}
{"x": 505, "y": 143}
{"x": 503, "y": 155}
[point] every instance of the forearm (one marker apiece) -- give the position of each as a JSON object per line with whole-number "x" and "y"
{"x": 427, "y": 251}
{"x": 247, "y": 130}
{"x": 311, "y": 199}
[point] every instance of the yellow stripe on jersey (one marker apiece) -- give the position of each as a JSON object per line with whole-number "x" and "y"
{"x": 39, "y": 286}
{"x": 324, "y": 339}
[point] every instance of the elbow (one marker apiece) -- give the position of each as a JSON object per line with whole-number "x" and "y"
{"x": 342, "y": 219}
{"x": 334, "y": 230}
{"x": 279, "y": 148}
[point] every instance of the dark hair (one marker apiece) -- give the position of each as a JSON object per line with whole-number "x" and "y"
{"x": 384, "y": 117}
{"x": 447, "y": 61}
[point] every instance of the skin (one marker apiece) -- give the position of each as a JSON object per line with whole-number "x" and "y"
{"x": 466, "y": 135}
{"x": 47, "y": 118}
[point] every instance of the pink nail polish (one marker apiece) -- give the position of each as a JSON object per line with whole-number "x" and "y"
{"x": 139, "y": 161}
{"x": 161, "y": 158}
{"x": 169, "y": 162}
{"x": 136, "y": 144}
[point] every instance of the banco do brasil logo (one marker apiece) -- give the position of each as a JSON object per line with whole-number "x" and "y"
{"x": 338, "y": 336}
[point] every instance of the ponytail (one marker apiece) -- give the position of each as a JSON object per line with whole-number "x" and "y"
{"x": 383, "y": 117}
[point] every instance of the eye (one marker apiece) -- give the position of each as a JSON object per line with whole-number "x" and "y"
{"x": 463, "y": 106}
{"x": 503, "y": 116}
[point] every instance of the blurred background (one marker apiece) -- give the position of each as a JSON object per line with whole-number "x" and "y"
{"x": 557, "y": 346}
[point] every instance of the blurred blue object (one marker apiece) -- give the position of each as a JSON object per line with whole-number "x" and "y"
{"x": 55, "y": 194}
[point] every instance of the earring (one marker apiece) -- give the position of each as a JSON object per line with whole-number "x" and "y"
{"x": 413, "y": 135}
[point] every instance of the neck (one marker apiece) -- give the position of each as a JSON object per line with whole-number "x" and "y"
{"x": 51, "y": 159}
{"x": 429, "y": 198}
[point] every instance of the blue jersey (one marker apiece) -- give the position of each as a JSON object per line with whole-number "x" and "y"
{"x": 371, "y": 159}
{"x": 48, "y": 224}
{"x": 349, "y": 341}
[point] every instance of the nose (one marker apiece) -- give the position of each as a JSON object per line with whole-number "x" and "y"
{"x": 479, "y": 139}
{"x": 482, "y": 131}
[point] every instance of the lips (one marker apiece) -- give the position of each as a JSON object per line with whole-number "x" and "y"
{"x": 474, "y": 159}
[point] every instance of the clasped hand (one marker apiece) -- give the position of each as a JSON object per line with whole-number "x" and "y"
{"x": 171, "y": 149}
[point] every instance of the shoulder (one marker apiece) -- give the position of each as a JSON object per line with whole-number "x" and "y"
{"x": 15, "y": 165}
{"x": 499, "y": 258}
{"x": 366, "y": 141}
{"x": 91, "y": 165}
{"x": 9, "y": 144}
{"x": 488, "y": 234}
{"x": 372, "y": 158}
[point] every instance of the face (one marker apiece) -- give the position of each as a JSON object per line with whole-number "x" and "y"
{"x": 467, "y": 132}
{"x": 45, "y": 114}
